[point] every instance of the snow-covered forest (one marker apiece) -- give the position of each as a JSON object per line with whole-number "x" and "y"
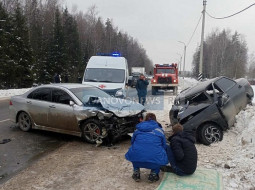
{"x": 41, "y": 37}
{"x": 225, "y": 54}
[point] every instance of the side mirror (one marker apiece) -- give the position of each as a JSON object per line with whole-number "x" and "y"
{"x": 71, "y": 103}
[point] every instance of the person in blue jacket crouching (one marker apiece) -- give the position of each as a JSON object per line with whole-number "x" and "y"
{"x": 148, "y": 148}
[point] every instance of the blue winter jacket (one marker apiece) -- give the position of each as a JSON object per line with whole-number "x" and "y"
{"x": 148, "y": 144}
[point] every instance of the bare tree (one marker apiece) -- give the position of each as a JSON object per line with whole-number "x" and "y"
{"x": 224, "y": 54}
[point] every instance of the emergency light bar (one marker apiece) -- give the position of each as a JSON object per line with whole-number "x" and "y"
{"x": 115, "y": 54}
{"x": 166, "y": 65}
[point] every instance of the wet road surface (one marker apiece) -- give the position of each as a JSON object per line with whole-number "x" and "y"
{"x": 23, "y": 148}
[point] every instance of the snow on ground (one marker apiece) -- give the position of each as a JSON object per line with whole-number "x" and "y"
{"x": 234, "y": 157}
{"x": 12, "y": 92}
{"x": 253, "y": 87}
{"x": 187, "y": 82}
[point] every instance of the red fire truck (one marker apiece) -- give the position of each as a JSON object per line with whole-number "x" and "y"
{"x": 165, "y": 77}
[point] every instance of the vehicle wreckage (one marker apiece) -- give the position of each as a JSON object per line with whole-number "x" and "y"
{"x": 76, "y": 109}
{"x": 210, "y": 107}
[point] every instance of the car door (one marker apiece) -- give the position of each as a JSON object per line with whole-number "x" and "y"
{"x": 228, "y": 108}
{"x": 61, "y": 114}
{"x": 38, "y": 103}
{"x": 238, "y": 95}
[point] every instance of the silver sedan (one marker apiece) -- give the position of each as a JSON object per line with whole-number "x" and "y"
{"x": 75, "y": 109}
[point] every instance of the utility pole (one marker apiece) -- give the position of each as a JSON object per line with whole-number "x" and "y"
{"x": 184, "y": 60}
{"x": 183, "y": 57}
{"x": 200, "y": 75}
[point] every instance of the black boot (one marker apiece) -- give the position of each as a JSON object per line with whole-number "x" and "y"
{"x": 153, "y": 177}
{"x": 136, "y": 175}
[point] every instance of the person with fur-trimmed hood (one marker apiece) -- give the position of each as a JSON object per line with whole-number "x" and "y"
{"x": 148, "y": 148}
{"x": 182, "y": 153}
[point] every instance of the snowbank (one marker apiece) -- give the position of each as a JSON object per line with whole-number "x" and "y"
{"x": 242, "y": 163}
{"x": 187, "y": 82}
{"x": 12, "y": 92}
{"x": 253, "y": 87}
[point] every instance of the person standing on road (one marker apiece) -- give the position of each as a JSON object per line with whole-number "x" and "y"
{"x": 148, "y": 148}
{"x": 141, "y": 87}
{"x": 182, "y": 153}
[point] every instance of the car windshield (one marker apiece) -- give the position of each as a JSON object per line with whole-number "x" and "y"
{"x": 171, "y": 71}
{"x": 104, "y": 75}
{"x": 84, "y": 94}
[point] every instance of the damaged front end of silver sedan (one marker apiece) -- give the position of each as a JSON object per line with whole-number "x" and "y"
{"x": 108, "y": 120}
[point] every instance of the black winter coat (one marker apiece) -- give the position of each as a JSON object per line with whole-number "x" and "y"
{"x": 141, "y": 87}
{"x": 185, "y": 152}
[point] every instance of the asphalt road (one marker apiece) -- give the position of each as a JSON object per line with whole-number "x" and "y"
{"x": 4, "y": 111}
{"x": 23, "y": 148}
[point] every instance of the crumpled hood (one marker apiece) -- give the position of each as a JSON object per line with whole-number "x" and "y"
{"x": 192, "y": 109}
{"x": 121, "y": 107}
{"x": 147, "y": 126}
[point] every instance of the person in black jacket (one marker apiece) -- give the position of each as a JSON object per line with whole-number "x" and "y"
{"x": 57, "y": 78}
{"x": 141, "y": 87}
{"x": 182, "y": 153}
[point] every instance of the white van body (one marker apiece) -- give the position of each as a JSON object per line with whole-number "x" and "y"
{"x": 109, "y": 73}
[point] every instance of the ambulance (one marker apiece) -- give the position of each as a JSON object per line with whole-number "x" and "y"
{"x": 109, "y": 73}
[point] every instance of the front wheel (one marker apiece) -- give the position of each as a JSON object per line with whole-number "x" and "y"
{"x": 210, "y": 133}
{"x": 91, "y": 130}
{"x": 24, "y": 122}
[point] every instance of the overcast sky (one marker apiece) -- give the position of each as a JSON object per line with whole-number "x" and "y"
{"x": 159, "y": 25}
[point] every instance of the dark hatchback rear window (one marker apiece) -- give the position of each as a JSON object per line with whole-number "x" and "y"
{"x": 225, "y": 84}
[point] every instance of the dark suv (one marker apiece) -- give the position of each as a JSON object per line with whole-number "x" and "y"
{"x": 210, "y": 107}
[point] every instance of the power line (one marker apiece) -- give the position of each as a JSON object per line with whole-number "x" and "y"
{"x": 230, "y": 15}
{"x": 194, "y": 31}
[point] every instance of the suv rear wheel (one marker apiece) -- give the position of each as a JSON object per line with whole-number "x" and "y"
{"x": 210, "y": 133}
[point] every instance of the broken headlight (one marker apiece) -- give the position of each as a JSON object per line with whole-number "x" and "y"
{"x": 101, "y": 115}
